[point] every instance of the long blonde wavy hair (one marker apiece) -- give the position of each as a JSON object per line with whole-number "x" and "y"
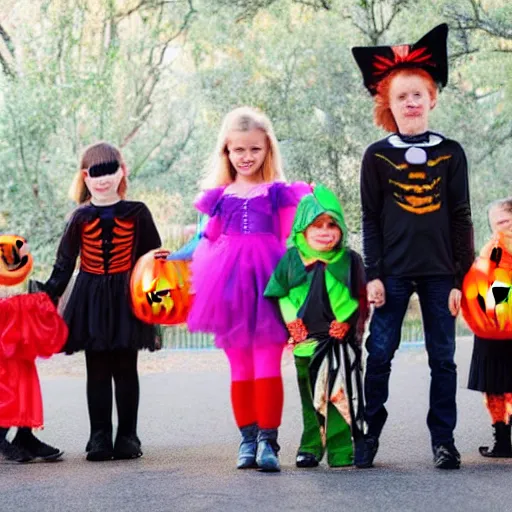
{"x": 220, "y": 171}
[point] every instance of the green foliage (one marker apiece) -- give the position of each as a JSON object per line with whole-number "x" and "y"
{"x": 157, "y": 77}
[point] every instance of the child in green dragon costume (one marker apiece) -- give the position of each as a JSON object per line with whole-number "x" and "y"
{"x": 320, "y": 286}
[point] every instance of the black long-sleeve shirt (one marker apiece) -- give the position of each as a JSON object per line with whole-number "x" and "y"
{"x": 109, "y": 239}
{"x": 416, "y": 216}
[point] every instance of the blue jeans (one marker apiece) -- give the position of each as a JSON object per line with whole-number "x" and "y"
{"x": 384, "y": 339}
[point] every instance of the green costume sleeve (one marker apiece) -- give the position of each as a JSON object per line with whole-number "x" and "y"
{"x": 288, "y": 274}
{"x": 278, "y": 285}
{"x": 289, "y": 284}
{"x": 288, "y": 309}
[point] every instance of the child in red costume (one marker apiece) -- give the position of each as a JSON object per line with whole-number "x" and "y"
{"x": 30, "y": 328}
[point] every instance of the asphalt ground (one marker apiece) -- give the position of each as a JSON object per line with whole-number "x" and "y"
{"x": 190, "y": 444}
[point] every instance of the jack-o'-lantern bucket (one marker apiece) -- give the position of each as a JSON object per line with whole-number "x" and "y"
{"x": 160, "y": 289}
{"x": 486, "y": 294}
{"x": 15, "y": 260}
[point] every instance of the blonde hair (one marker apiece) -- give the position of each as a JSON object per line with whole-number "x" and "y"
{"x": 98, "y": 153}
{"x": 243, "y": 119}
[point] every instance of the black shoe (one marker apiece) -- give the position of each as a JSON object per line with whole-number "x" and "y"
{"x": 446, "y": 456}
{"x": 36, "y": 448}
{"x": 502, "y": 445}
{"x": 127, "y": 447}
{"x": 306, "y": 460}
{"x": 100, "y": 447}
{"x": 11, "y": 453}
{"x": 364, "y": 456}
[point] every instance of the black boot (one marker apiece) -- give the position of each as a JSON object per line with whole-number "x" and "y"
{"x": 100, "y": 448}
{"x": 127, "y": 447}
{"x": 266, "y": 454}
{"x": 366, "y": 451}
{"x": 248, "y": 446}
{"x": 11, "y": 453}
{"x": 26, "y": 440}
{"x": 502, "y": 444}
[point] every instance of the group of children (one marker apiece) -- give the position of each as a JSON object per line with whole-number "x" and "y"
{"x": 273, "y": 267}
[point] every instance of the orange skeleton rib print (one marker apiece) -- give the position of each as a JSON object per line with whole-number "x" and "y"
{"x": 416, "y": 192}
{"x": 100, "y": 256}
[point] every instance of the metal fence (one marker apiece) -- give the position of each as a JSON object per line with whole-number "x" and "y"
{"x": 179, "y": 338}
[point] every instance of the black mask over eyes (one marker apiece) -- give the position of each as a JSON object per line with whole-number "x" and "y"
{"x": 103, "y": 169}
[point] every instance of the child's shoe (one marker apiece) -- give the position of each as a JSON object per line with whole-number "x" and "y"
{"x": 11, "y": 453}
{"x": 266, "y": 453}
{"x": 446, "y": 456}
{"x": 27, "y": 441}
{"x": 100, "y": 448}
{"x": 127, "y": 447}
{"x": 248, "y": 447}
{"x": 366, "y": 453}
{"x": 306, "y": 460}
{"x": 502, "y": 444}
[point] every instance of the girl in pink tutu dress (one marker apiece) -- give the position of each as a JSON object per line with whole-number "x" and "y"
{"x": 251, "y": 210}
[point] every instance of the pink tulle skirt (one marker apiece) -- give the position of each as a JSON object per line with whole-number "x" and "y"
{"x": 229, "y": 277}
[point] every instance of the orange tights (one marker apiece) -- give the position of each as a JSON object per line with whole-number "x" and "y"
{"x": 499, "y": 407}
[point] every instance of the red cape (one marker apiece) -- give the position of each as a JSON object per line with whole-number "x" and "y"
{"x": 30, "y": 327}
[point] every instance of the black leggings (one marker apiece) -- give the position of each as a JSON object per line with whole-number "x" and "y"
{"x": 102, "y": 367}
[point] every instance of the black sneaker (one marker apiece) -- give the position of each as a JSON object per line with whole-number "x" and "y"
{"x": 36, "y": 448}
{"x": 446, "y": 456}
{"x": 364, "y": 455}
{"x": 11, "y": 453}
{"x": 306, "y": 460}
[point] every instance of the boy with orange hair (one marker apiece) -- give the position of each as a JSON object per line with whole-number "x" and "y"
{"x": 417, "y": 230}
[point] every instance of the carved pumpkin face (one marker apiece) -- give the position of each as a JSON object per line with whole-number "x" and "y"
{"x": 15, "y": 260}
{"x": 487, "y": 298}
{"x": 160, "y": 290}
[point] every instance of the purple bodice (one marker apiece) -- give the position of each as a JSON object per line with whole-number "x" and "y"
{"x": 247, "y": 215}
{"x": 258, "y": 214}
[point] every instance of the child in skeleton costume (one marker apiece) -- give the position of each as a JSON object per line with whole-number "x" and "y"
{"x": 491, "y": 363}
{"x": 417, "y": 230}
{"x": 30, "y": 327}
{"x": 109, "y": 234}
{"x": 321, "y": 291}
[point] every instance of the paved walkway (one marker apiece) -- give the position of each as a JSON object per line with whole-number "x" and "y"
{"x": 190, "y": 446}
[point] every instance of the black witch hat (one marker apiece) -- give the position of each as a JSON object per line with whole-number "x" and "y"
{"x": 429, "y": 53}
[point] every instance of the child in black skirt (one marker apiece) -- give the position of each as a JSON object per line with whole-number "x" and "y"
{"x": 491, "y": 363}
{"x": 109, "y": 234}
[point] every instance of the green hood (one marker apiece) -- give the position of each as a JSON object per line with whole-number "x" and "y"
{"x": 321, "y": 201}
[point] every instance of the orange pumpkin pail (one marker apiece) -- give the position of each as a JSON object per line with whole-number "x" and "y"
{"x": 486, "y": 291}
{"x": 160, "y": 289}
{"x": 15, "y": 260}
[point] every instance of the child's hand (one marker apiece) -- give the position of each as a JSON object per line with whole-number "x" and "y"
{"x": 297, "y": 330}
{"x": 454, "y": 301}
{"x": 338, "y": 330}
{"x": 376, "y": 293}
